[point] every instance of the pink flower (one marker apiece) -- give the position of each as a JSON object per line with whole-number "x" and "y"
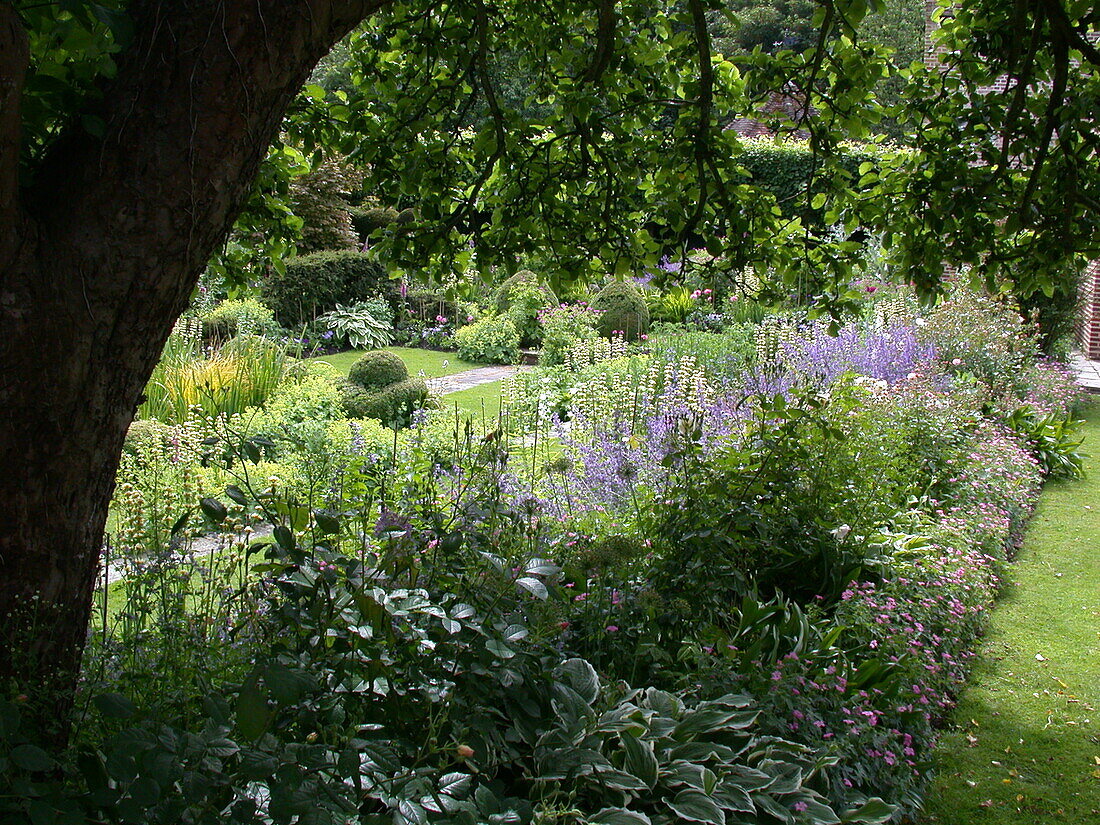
{"x": 611, "y": 628}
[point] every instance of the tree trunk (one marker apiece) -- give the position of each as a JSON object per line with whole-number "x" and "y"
{"x": 98, "y": 257}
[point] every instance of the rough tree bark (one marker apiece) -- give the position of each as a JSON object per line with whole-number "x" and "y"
{"x": 98, "y": 256}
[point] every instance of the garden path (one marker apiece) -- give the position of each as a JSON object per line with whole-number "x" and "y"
{"x": 1087, "y": 372}
{"x": 1025, "y": 747}
{"x": 196, "y": 547}
{"x": 470, "y": 378}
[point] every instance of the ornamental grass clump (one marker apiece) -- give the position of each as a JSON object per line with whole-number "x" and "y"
{"x": 191, "y": 381}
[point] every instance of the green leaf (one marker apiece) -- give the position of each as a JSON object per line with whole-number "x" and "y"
{"x": 214, "y": 510}
{"x": 31, "y": 758}
{"x": 181, "y": 522}
{"x": 872, "y": 812}
{"x": 499, "y": 649}
{"x": 640, "y": 759}
{"x": 236, "y": 494}
{"x": 114, "y": 706}
{"x": 284, "y": 537}
{"x": 581, "y": 677}
{"x": 327, "y": 523}
{"x": 697, "y": 807}
{"x": 710, "y": 720}
{"x": 619, "y": 816}
{"x": 253, "y": 713}
{"x": 534, "y": 587}
{"x": 514, "y": 633}
{"x": 456, "y": 785}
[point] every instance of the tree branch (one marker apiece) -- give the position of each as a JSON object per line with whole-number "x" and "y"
{"x": 199, "y": 96}
{"x": 605, "y": 42}
{"x": 705, "y": 100}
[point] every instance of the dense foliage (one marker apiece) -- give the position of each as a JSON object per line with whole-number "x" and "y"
{"x": 740, "y": 575}
{"x": 311, "y": 285}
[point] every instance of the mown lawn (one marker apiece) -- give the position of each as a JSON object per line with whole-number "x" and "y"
{"x": 1026, "y": 747}
{"x": 434, "y": 364}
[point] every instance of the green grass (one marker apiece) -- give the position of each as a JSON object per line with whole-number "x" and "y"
{"x": 480, "y": 401}
{"x": 435, "y": 364}
{"x": 1026, "y": 746}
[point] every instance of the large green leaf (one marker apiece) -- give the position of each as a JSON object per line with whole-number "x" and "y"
{"x": 697, "y": 807}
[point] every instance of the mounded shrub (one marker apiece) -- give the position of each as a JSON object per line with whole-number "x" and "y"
{"x": 622, "y": 310}
{"x": 394, "y": 404}
{"x": 489, "y": 341}
{"x": 311, "y": 285}
{"x": 232, "y": 317}
{"x": 377, "y": 370}
{"x": 524, "y": 279}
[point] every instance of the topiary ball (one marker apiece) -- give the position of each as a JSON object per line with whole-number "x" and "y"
{"x": 376, "y": 370}
{"x": 524, "y": 277}
{"x": 622, "y": 310}
{"x": 392, "y": 405}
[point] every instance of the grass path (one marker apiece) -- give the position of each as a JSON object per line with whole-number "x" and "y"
{"x": 1026, "y": 747}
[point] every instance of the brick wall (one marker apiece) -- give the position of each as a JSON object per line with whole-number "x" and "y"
{"x": 1088, "y": 329}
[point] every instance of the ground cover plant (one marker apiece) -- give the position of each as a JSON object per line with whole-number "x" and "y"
{"x": 651, "y": 587}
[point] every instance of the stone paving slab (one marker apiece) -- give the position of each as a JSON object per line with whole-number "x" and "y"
{"x": 1086, "y": 372}
{"x": 470, "y": 378}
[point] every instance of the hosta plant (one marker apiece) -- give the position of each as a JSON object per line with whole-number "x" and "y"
{"x": 357, "y": 326}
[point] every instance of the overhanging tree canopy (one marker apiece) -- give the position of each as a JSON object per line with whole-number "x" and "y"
{"x": 131, "y": 133}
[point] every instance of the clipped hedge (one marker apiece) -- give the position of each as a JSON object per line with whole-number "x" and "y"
{"x": 366, "y": 219}
{"x": 785, "y": 170}
{"x": 314, "y": 284}
{"x": 524, "y": 278}
{"x": 392, "y": 405}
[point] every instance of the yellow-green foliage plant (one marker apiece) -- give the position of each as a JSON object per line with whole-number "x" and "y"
{"x": 189, "y": 381}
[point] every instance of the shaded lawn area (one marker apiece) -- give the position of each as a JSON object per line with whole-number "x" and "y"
{"x": 435, "y": 364}
{"x": 1026, "y": 748}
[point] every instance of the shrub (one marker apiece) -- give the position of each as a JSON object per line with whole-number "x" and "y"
{"x": 525, "y": 277}
{"x": 379, "y": 386}
{"x": 562, "y": 328}
{"x": 376, "y": 370}
{"x": 366, "y": 219}
{"x": 393, "y": 404}
{"x": 314, "y": 284}
{"x": 623, "y": 310}
{"x": 237, "y": 317}
{"x": 975, "y": 335}
{"x": 315, "y": 397}
{"x": 357, "y": 327}
{"x": 489, "y": 341}
{"x": 319, "y": 199}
